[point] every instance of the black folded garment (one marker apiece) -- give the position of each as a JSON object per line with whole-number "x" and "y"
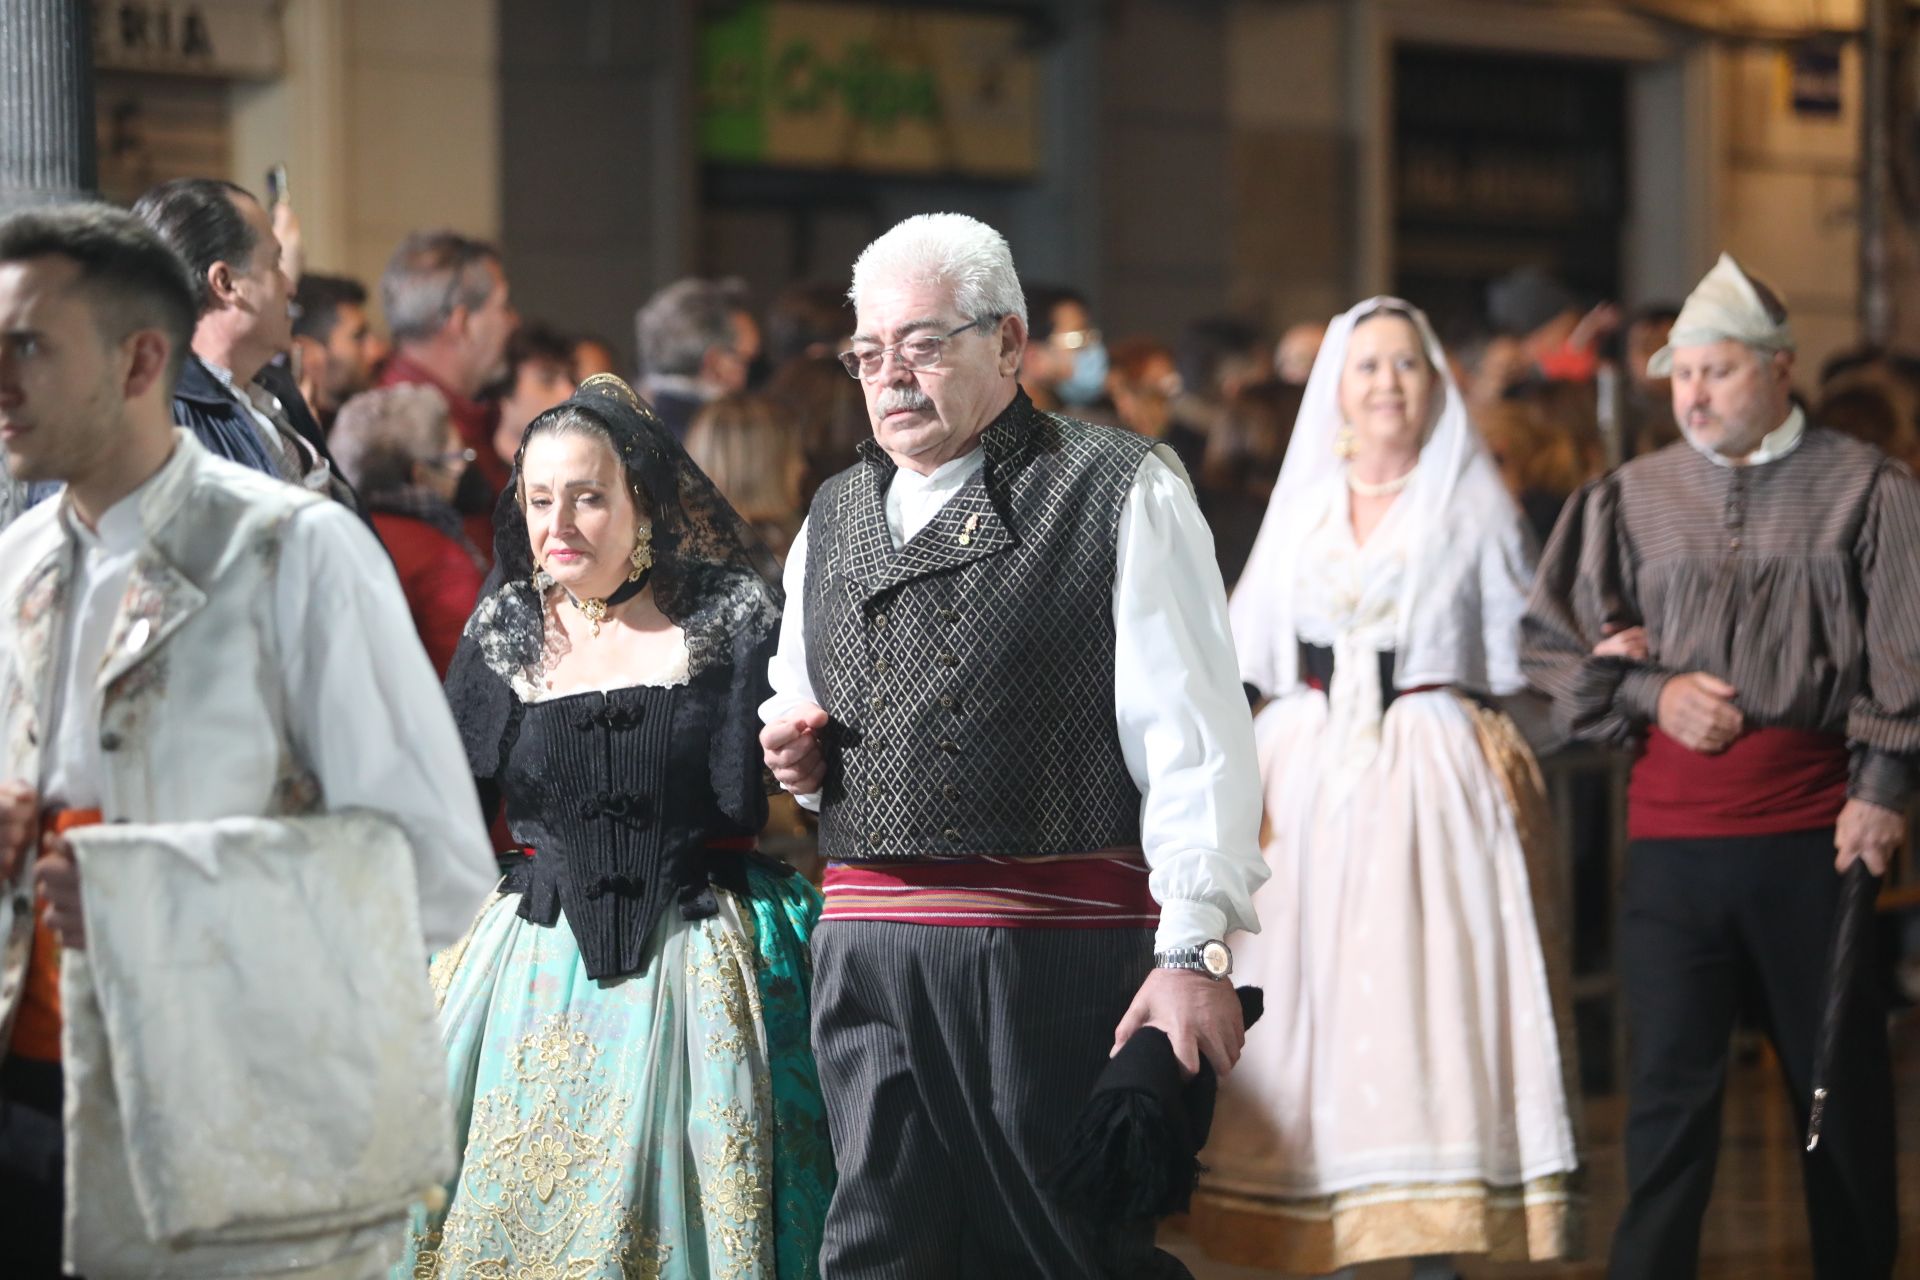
{"x": 1135, "y": 1147}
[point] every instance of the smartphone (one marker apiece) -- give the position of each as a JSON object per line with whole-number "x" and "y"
{"x": 277, "y": 185}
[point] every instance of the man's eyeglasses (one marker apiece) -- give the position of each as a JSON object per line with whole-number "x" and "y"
{"x": 921, "y": 351}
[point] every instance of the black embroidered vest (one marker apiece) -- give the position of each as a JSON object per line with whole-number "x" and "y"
{"x": 970, "y": 672}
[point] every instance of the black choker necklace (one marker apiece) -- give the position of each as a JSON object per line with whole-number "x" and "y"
{"x": 595, "y": 609}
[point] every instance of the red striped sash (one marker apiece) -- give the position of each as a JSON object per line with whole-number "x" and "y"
{"x": 1106, "y": 889}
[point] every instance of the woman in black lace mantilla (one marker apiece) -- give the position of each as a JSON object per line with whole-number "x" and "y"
{"x": 627, "y": 1023}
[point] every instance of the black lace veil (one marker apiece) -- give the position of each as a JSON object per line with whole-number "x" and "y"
{"x": 711, "y": 576}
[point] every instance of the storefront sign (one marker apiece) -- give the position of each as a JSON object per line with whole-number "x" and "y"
{"x": 872, "y": 88}
{"x": 239, "y": 39}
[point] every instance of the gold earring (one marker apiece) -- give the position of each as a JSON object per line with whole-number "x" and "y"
{"x": 541, "y": 578}
{"x": 642, "y": 557}
{"x": 1344, "y": 445}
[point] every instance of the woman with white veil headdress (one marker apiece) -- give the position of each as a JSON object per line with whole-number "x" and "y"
{"x": 1407, "y": 1093}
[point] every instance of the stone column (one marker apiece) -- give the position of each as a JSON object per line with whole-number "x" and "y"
{"x": 46, "y": 102}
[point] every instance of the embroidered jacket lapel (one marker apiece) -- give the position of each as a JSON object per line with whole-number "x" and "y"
{"x": 39, "y": 624}
{"x": 158, "y": 601}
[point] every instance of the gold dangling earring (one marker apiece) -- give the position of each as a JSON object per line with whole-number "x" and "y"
{"x": 1344, "y": 445}
{"x": 541, "y": 578}
{"x": 642, "y": 557}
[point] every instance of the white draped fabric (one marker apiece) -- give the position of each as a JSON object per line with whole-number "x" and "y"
{"x": 1405, "y": 1092}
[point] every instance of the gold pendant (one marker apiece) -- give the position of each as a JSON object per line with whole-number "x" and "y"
{"x": 594, "y": 611}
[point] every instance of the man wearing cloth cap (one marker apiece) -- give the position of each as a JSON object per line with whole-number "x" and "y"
{"x": 1744, "y": 605}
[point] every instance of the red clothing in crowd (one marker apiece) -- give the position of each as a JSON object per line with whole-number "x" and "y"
{"x": 476, "y": 421}
{"x": 440, "y": 579}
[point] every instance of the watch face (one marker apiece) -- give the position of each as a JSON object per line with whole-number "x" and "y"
{"x": 1217, "y": 958}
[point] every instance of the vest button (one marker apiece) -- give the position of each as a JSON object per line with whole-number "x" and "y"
{"x": 949, "y": 660}
{"x": 878, "y": 704}
{"x": 873, "y": 837}
{"x": 880, "y": 667}
{"x": 879, "y": 619}
{"x": 950, "y": 791}
{"x": 874, "y": 792}
{"x": 949, "y": 746}
{"x": 948, "y": 702}
{"x": 947, "y": 615}
{"x": 951, "y": 835}
{"x": 109, "y": 741}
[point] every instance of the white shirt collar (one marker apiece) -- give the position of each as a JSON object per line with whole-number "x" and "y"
{"x": 948, "y": 473}
{"x": 1775, "y": 445}
{"x": 122, "y": 528}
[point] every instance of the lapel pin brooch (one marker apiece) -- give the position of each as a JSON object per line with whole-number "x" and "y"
{"x": 967, "y": 529}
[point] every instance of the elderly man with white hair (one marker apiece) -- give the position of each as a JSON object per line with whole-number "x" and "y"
{"x": 1005, "y": 682}
{"x": 1743, "y": 607}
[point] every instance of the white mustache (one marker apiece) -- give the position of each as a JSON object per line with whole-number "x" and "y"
{"x": 894, "y": 399}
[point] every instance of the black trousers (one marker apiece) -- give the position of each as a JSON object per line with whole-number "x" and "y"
{"x": 1707, "y": 925}
{"x": 32, "y": 1169}
{"x": 954, "y": 1061}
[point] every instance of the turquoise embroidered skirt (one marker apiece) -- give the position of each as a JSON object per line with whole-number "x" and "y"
{"x": 666, "y": 1125}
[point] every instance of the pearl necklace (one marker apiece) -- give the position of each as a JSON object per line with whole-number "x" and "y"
{"x": 1385, "y": 488}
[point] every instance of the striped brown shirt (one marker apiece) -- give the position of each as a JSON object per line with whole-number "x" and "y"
{"x": 1796, "y": 581}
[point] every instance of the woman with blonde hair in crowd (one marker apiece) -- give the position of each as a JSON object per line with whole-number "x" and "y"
{"x": 1408, "y": 1092}
{"x": 753, "y": 456}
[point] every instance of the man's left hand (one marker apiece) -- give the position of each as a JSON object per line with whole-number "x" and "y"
{"x": 58, "y": 877}
{"x": 1200, "y": 1015}
{"x": 1868, "y": 832}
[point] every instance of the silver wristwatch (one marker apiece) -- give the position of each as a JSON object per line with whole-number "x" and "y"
{"x": 1210, "y": 957}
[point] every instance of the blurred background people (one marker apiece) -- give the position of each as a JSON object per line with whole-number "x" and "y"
{"x": 1646, "y": 405}
{"x": 450, "y": 310}
{"x": 539, "y": 376}
{"x": 1294, "y": 354}
{"x": 806, "y": 321}
{"x": 1143, "y": 384}
{"x": 1545, "y": 439}
{"x": 339, "y": 349}
{"x": 402, "y": 451}
{"x": 590, "y": 356}
{"x": 698, "y": 341}
{"x": 1242, "y": 461}
{"x": 826, "y": 413}
{"x": 1064, "y": 368}
{"x": 746, "y": 448}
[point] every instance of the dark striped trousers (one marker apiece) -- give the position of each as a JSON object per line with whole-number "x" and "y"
{"x": 954, "y": 1061}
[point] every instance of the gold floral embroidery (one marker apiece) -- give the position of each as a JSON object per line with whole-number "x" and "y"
{"x": 545, "y": 1166}
{"x": 721, "y": 963}
{"x": 642, "y": 1255}
{"x": 735, "y": 1188}
{"x": 547, "y": 1185}
{"x": 539, "y": 1196}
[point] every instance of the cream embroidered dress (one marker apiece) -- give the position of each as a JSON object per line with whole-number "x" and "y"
{"x": 1407, "y": 1092}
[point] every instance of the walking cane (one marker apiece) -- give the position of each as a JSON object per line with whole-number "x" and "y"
{"x": 1858, "y": 886}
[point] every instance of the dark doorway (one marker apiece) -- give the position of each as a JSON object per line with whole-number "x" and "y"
{"x": 1501, "y": 162}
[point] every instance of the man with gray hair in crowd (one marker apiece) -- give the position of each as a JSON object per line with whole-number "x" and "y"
{"x": 1743, "y": 607}
{"x": 1004, "y": 682}
{"x": 698, "y": 341}
{"x": 450, "y": 314}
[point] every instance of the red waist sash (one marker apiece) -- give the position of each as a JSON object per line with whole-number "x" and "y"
{"x": 1770, "y": 781}
{"x": 1106, "y": 889}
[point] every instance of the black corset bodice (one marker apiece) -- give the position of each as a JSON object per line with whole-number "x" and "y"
{"x": 613, "y": 793}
